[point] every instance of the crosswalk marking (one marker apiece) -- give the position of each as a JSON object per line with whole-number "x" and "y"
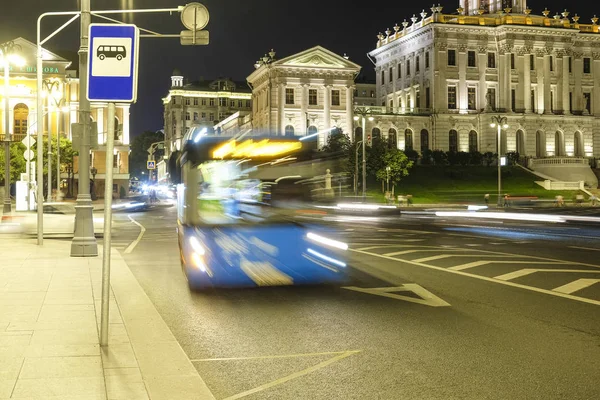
{"x": 469, "y": 265}
{"x": 397, "y": 253}
{"x": 528, "y": 271}
{"x": 574, "y": 286}
{"x": 431, "y": 258}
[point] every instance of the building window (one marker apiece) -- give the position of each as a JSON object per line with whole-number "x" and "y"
{"x": 211, "y": 116}
{"x": 532, "y": 62}
{"x": 453, "y": 141}
{"x": 587, "y": 102}
{"x": 471, "y": 58}
{"x": 115, "y": 164}
{"x": 335, "y": 97}
{"x": 471, "y": 98}
{"x": 195, "y": 102}
{"x": 571, "y": 102}
{"x": 222, "y": 116}
{"x": 372, "y": 94}
{"x": 551, "y": 101}
{"x": 174, "y": 100}
{"x": 418, "y": 99}
{"x": 312, "y": 97}
{"x": 513, "y": 100}
{"x": 451, "y": 97}
{"x": 240, "y": 103}
{"x": 187, "y": 116}
{"x": 427, "y": 98}
{"x": 289, "y": 130}
{"x": 247, "y": 103}
{"x": 472, "y": 142}
{"x": 203, "y": 102}
{"x": 586, "y": 65}
{"x": 491, "y": 60}
{"x": 195, "y": 116}
{"x": 424, "y": 140}
{"x": 551, "y": 63}
{"x": 187, "y": 101}
{"x": 392, "y": 139}
{"x": 289, "y": 96}
{"x": 382, "y": 77}
{"x": 312, "y": 130}
{"x": 533, "y": 108}
{"x": 399, "y": 70}
{"x": 203, "y": 115}
{"x": 392, "y": 104}
{"x": 391, "y": 74}
{"x": 570, "y": 65}
{"x": 407, "y": 67}
{"x": 491, "y": 95}
{"x": 21, "y": 111}
{"x": 231, "y": 103}
{"x": 408, "y": 140}
{"x": 211, "y": 102}
{"x": 222, "y": 102}
{"x": 417, "y": 62}
{"x": 426, "y": 59}
{"x": 451, "y": 57}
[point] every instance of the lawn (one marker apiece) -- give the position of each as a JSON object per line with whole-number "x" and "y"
{"x": 434, "y": 184}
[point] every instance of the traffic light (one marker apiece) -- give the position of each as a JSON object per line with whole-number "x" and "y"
{"x": 369, "y": 140}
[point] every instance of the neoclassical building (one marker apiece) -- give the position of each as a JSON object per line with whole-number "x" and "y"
{"x": 302, "y": 94}
{"x": 61, "y": 107}
{"x": 441, "y": 77}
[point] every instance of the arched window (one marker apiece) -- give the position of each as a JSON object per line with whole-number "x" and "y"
{"x": 559, "y": 144}
{"x": 473, "y": 142}
{"x": 520, "y": 142}
{"x": 540, "y": 144}
{"x": 375, "y": 134}
{"x": 408, "y": 139}
{"x": 424, "y": 140}
{"x": 289, "y": 130}
{"x": 453, "y": 141}
{"x": 578, "y": 145}
{"x": 21, "y": 111}
{"x": 358, "y": 134}
{"x": 312, "y": 130}
{"x": 392, "y": 139}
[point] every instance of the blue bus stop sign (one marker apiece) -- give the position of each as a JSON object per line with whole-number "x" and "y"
{"x": 113, "y": 63}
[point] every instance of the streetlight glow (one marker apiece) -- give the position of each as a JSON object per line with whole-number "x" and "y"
{"x": 501, "y": 123}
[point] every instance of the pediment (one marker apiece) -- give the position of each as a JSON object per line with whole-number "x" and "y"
{"x": 317, "y": 57}
{"x": 29, "y": 51}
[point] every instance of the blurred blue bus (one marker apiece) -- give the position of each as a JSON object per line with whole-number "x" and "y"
{"x": 229, "y": 234}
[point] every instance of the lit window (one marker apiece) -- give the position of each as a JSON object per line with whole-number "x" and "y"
{"x": 451, "y": 97}
{"x": 312, "y": 97}
{"x": 451, "y": 57}
{"x": 335, "y": 97}
{"x": 289, "y": 96}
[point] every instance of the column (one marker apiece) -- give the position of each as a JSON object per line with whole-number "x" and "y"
{"x": 327, "y": 107}
{"x": 349, "y": 112}
{"x": 565, "y": 85}
{"x": 501, "y": 67}
{"x": 126, "y": 125}
{"x": 596, "y": 89}
{"x": 547, "y": 105}
{"x": 520, "y": 105}
{"x": 462, "y": 79}
{"x": 100, "y": 124}
{"x": 280, "y": 108}
{"x": 304, "y": 108}
{"x": 507, "y": 89}
{"x": 577, "y": 92}
{"x": 441, "y": 62}
{"x": 481, "y": 66}
{"x": 526, "y": 90}
{"x": 559, "y": 81}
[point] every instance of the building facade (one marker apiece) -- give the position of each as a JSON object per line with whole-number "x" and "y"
{"x": 61, "y": 109}
{"x": 201, "y": 102}
{"x": 306, "y": 93}
{"x": 442, "y": 77}
{"x": 365, "y": 92}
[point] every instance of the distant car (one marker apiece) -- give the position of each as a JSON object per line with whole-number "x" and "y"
{"x": 59, "y": 221}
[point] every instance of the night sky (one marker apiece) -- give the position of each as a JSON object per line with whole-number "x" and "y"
{"x": 241, "y": 31}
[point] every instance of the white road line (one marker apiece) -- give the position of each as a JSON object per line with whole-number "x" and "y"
{"x": 584, "y": 248}
{"x": 480, "y": 277}
{"x": 576, "y": 285}
{"x": 469, "y": 265}
{"x": 528, "y": 271}
{"x": 472, "y": 245}
{"x": 431, "y": 258}
{"x": 294, "y": 355}
{"x": 397, "y": 253}
{"x": 130, "y": 248}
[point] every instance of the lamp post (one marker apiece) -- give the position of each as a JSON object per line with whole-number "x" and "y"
{"x": 387, "y": 170}
{"x": 8, "y": 51}
{"x": 499, "y": 122}
{"x": 53, "y": 90}
{"x": 363, "y": 112}
{"x": 356, "y": 167}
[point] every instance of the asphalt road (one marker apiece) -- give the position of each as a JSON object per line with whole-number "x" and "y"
{"x": 466, "y": 309}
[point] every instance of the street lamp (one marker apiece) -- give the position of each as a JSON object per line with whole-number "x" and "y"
{"x": 387, "y": 170}
{"x": 501, "y": 123}
{"x": 9, "y": 54}
{"x": 363, "y": 112}
{"x": 93, "y": 171}
{"x": 356, "y": 167}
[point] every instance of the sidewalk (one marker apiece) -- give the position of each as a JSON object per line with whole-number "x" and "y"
{"x": 50, "y": 324}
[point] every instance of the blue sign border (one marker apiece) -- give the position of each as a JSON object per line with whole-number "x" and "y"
{"x": 113, "y": 88}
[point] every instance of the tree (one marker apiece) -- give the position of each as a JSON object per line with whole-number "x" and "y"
{"x": 66, "y": 158}
{"x": 17, "y": 161}
{"x": 337, "y": 142}
{"x": 399, "y": 165}
{"x": 139, "y": 152}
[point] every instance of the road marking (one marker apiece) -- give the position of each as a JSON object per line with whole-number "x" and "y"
{"x": 528, "y": 271}
{"x": 584, "y": 248}
{"x": 396, "y": 253}
{"x": 483, "y": 278}
{"x": 469, "y": 265}
{"x": 295, "y": 355}
{"x": 293, "y": 376}
{"x": 427, "y": 298}
{"x": 431, "y": 258}
{"x": 576, "y": 285}
{"x": 472, "y": 245}
{"x": 381, "y": 246}
{"x": 130, "y": 248}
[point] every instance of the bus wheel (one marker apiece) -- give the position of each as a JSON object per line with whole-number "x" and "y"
{"x": 119, "y": 57}
{"x": 102, "y": 56}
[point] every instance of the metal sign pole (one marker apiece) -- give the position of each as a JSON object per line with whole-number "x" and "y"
{"x": 108, "y": 191}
